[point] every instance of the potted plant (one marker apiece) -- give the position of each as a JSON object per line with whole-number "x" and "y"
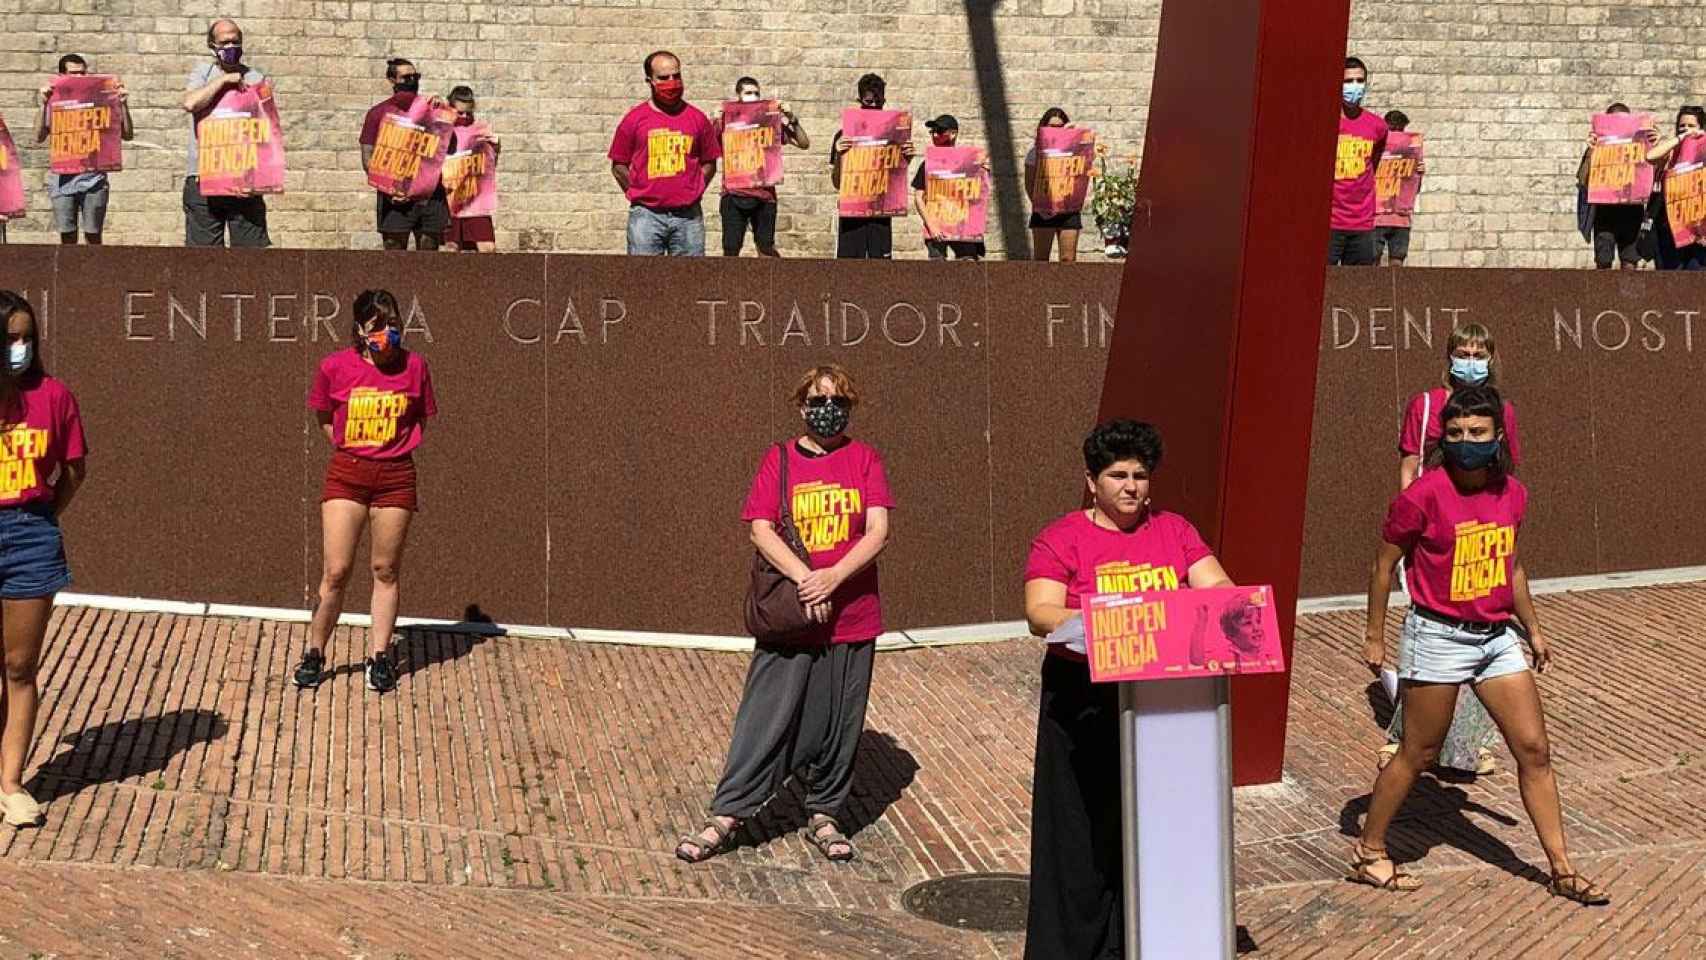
{"x": 1113, "y": 202}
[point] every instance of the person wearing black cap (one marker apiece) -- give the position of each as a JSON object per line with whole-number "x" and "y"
{"x": 944, "y": 132}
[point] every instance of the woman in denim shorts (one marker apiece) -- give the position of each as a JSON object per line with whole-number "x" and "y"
{"x": 1456, "y": 530}
{"x": 41, "y": 467}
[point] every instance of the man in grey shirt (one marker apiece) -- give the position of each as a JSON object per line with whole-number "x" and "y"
{"x": 79, "y": 196}
{"x": 207, "y": 219}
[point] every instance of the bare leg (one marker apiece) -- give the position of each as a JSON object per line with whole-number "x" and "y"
{"x": 1042, "y": 242}
{"x": 24, "y": 627}
{"x": 390, "y": 530}
{"x": 1069, "y": 246}
{"x": 1514, "y": 703}
{"x": 340, "y": 530}
{"x": 1427, "y": 717}
{"x": 485, "y": 246}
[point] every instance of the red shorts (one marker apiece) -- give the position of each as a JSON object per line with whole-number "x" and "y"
{"x": 467, "y": 231}
{"x": 371, "y": 483}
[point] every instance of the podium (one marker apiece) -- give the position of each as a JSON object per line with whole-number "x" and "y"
{"x": 1176, "y": 818}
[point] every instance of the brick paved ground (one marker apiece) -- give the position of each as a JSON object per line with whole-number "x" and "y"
{"x": 523, "y": 795}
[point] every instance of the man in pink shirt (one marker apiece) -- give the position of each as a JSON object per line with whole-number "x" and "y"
{"x": 663, "y": 156}
{"x": 1362, "y": 139}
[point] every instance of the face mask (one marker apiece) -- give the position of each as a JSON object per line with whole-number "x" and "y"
{"x": 941, "y": 140}
{"x": 407, "y": 85}
{"x": 873, "y": 105}
{"x": 383, "y": 341}
{"x": 230, "y": 56}
{"x": 828, "y": 421}
{"x": 668, "y": 92}
{"x": 464, "y": 121}
{"x": 18, "y": 356}
{"x": 1470, "y": 454}
{"x": 1353, "y": 93}
{"x": 749, "y": 98}
{"x": 1469, "y": 369}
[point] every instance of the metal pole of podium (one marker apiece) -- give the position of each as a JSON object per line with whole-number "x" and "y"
{"x": 1128, "y": 814}
{"x": 1223, "y": 714}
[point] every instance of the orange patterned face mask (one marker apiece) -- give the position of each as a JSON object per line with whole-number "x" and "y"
{"x": 382, "y": 341}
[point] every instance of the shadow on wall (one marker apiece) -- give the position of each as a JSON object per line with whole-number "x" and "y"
{"x": 998, "y": 122}
{"x": 123, "y": 749}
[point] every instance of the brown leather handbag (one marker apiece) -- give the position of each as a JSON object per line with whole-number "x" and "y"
{"x": 773, "y": 611}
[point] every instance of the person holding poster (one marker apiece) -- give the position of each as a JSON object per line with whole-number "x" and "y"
{"x": 1392, "y": 226}
{"x": 12, "y": 201}
{"x": 754, "y": 204}
{"x": 80, "y": 198}
{"x": 474, "y": 232}
{"x": 1047, "y": 177}
{"x": 41, "y": 468}
{"x": 1457, "y": 530}
{"x": 207, "y": 220}
{"x": 863, "y": 237}
{"x": 1616, "y": 226}
{"x": 372, "y": 402}
{"x": 1123, "y": 543}
{"x": 1470, "y": 357}
{"x": 803, "y": 708}
{"x": 663, "y": 157}
{"x": 952, "y": 199}
{"x": 399, "y": 214}
{"x": 1362, "y": 141}
{"x": 1679, "y": 159}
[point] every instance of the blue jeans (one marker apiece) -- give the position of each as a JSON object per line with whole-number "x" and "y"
{"x": 679, "y": 232}
{"x": 32, "y": 553}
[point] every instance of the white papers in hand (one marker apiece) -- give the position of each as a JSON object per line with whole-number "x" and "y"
{"x": 1070, "y": 633}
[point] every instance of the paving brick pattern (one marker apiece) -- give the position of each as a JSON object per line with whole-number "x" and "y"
{"x": 524, "y": 794}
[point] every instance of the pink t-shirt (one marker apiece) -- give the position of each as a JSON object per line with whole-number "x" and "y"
{"x": 828, "y": 497}
{"x": 396, "y": 103}
{"x": 1089, "y": 559}
{"x": 375, "y": 415}
{"x": 665, "y": 154}
{"x": 1410, "y": 432}
{"x": 1459, "y": 548}
{"x": 41, "y": 431}
{"x": 1362, "y": 140}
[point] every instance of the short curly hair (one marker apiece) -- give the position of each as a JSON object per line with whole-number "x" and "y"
{"x": 836, "y": 373}
{"x": 1117, "y": 440}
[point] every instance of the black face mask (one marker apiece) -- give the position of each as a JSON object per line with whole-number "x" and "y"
{"x": 407, "y": 85}
{"x": 1470, "y": 454}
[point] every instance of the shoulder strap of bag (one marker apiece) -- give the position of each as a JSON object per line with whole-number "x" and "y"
{"x": 784, "y": 515}
{"x": 1422, "y": 444}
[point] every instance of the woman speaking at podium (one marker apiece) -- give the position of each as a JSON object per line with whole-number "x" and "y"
{"x": 1456, "y": 529}
{"x": 1121, "y": 544}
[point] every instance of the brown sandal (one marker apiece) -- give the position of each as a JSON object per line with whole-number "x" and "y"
{"x": 1362, "y": 859}
{"x": 823, "y": 841}
{"x": 706, "y": 848}
{"x": 1574, "y": 886}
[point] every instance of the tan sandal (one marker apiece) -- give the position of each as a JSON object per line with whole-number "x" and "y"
{"x": 1387, "y": 752}
{"x": 1574, "y": 886}
{"x": 702, "y": 848}
{"x": 1485, "y": 763}
{"x": 824, "y": 841}
{"x": 1362, "y": 859}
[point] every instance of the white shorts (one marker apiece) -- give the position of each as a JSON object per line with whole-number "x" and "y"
{"x": 1432, "y": 652}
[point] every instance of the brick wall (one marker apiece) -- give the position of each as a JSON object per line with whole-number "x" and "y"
{"x": 1502, "y": 89}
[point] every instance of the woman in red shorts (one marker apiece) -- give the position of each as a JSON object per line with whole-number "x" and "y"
{"x": 469, "y": 233}
{"x": 372, "y": 402}
{"x": 41, "y": 467}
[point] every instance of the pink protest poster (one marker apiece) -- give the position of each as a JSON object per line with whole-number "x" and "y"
{"x": 12, "y": 203}
{"x": 1685, "y": 192}
{"x": 1065, "y": 156}
{"x": 873, "y": 170}
{"x": 470, "y": 175}
{"x": 956, "y": 192}
{"x": 1619, "y": 173}
{"x": 409, "y": 152}
{"x": 1181, "y": 634}
{"x": 240, "y": 144}
{"x": 1398, "y": 178}
{"x": 84, "y": 130}
{"x": 752, "y": 144}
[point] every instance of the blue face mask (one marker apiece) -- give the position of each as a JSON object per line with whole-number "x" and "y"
{"x": 1353, "y": 93}
{"x": 18, "y": 356}
{"x": 1470, "y": 454}
{"x": 1469, "y": 370}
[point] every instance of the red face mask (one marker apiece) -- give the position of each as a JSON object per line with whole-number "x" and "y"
{"x": 668, "y": 91}
{"x": 463, "y": 120}
{"x": 941, "y": 140}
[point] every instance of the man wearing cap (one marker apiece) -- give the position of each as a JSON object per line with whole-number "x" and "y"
{"x": 944, "y": 132}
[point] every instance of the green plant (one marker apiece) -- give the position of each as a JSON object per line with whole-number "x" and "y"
{"x": 1115, "y": 195}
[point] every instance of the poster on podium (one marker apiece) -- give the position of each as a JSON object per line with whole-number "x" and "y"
{"x": 1182, "y": 634}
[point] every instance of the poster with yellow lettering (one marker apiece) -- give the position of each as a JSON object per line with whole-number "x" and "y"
{"x": 1618, "y": 173}
{"x": 1181, "y": 634}
{"x": 873, "y": 171}
{"x": 11, "y": 178}
{"x": 83, "y": 124}
{"x": 409, "y": 153}
{"x": 240, "y": 145}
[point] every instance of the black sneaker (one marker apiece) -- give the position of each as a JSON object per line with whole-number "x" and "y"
{"x": 311, "y": 671}
{"x": 381, "y": 673}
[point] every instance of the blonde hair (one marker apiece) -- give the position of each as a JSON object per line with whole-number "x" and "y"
{"x": 833, "y": 372}
{"x": 1466, "y": 335}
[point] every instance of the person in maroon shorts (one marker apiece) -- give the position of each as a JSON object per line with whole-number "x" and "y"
{"x": 468, "y": 233}
{"x": 372, "y": 402}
